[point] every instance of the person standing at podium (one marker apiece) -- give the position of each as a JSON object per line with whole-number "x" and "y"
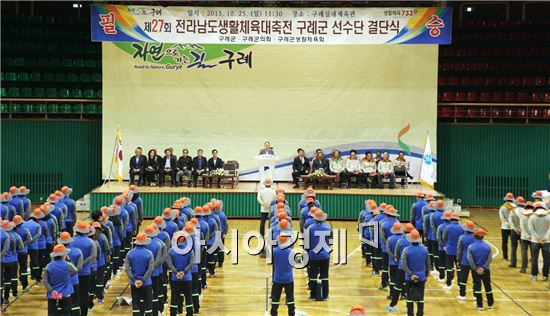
{"x": 267, "y": 150}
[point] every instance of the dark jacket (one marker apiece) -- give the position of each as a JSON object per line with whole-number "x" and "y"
{"x": 173, "y": 162}
{"x": 298, "y": 166}
{"x": 320, "y": 164}
{"x": 213, "y": 166}
{"x": 140, "y": 164}
{"x": 153, "y": 162}
{"x": 203, "y": 163}
{"x": 185, "y": 163}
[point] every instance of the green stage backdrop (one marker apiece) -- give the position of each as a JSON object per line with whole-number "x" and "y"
{"x": 234, "y": 97}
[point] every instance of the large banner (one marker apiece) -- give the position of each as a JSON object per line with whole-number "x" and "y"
{"x": 294, "y": 26}
{"x": 233, "y": 97}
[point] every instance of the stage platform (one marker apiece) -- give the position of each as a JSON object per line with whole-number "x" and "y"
{"x": 241, "y": 201}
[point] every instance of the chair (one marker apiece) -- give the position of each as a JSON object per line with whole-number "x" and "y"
{"x": 67, "y": 62}
{"x": 14, "y": 92}
{"x": 472, "y": 97}
{"x": 503, "y": 81}
{"x": 26, "y": 92}
{"x": 84, "y": 77}
{"x": 90, "y": 63}
{"x": 477, "y": 81}
{"x": 539, "y": 81}
{"x": 51, "y": 93}
{"x": 441, "y": 81}
{"x": 60, "y": 77}
{"x": 459, "y": 66}
{"x": 465, "y": 81}
{"x": 11, "y": 76}
{"x": 88, "y": 94}
{"x": 79, "y": 62}
{"x": 485, "y": 96}
{"x": 39, "y": 93}
{"x": 19, "y": 62}
{"x": 460, "y": 97}
{"x": 64, "y": 93}
{"x": 515, "y": 81}
{"x": 460, "y": 112}
{"x": 76, "y": 93}
{"x": 536, "y": 97}
{"x": 445, "y": 112}
{"x": 31, "y": 62}
{"x": 498, "y": 112}
{"x": 96, "y": 77}
{"x": 522, "y": 97}
{"x": 34, "y": 76}
{"x": 55, "y": 62}
{"x": 99, "y": 94}
{"x": 22, "y": 76}
{"x": 509, "y": 96}
{"x": 497, "y": 97}
{"x": 471, "y": 66}
{"x": 400, "y": 172}
{"x": 527, "y": 81}
{"x": 447, "y": 96}
{"x": 536, "y": 113}
{"x": 452, "y": 81}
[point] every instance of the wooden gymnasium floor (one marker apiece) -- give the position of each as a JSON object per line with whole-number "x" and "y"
{"x": 247, "y": 187}
{"x": 240, "y": 290}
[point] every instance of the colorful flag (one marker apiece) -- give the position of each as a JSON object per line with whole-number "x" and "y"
{"x": 117, "y": 159}
{"x": 427, "y": 171}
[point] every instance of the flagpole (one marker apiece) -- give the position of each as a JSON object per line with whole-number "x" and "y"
{"x": 111, "y": 167}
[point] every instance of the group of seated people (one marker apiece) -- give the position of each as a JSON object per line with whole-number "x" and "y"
{"x": 153, "y": 167}
{"x": 369, "y": 172}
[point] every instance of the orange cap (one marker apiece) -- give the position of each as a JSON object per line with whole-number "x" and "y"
{"x": 283, "y": 223}
{"x": 158, "y": 220}
{"x": 383, "y": 206}
{"x": 268, "y": 180}
{"x": 520, "y": 199}
{"x": 37, "y": 212}
{"x": 65, "y": 236}
{"x": 59, "y": 248}
{"x": 17, "y": 219}
{"x": 167, "y": 212}
{"x": 282, "y": 238}
{"x": 469, "y": 224}
{"x": 13, "y": 189}
{"x": 280, "y": 190}
{"x": 132, "y": 187}
{"x": 118, "y": 200}
{"x": 480, "y": 232}
{"x": 189, "y": 227}
{"x": 415, "y": 234}
{"x": 23, "y": 189}
{"x": 397, "y": 226}
{"x": 439, "y": 204}
{"x": 409, "y": 227}
{"x": 357, "y": 310}
{"x": 150, "y": 229}
{"x": 509, "y": 196}
{"x": 280, "y": 199}
{"x": 194, "y": 221}
{"x": 141, "y": 237}
{"x": 372, "y": 206}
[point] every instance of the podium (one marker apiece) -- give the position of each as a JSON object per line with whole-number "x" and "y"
{"x": 266, "y": 166}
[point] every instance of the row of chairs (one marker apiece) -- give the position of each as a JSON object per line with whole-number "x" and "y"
{"x": 494, "y": 51}
{"x": 51, "y": 62}
{"x": 483, "y": 37}
{"x": 58, "y": 33}
{"x": 51, "y": 48}
{"x": 495, "y": 112}
{"x": 56, "y": 108}
{"x": 46, "y": 20}
{"x": 51, "y": 93}
{"x": 492, "y": 24}
{"x": 490, "y": 81}
{"x": 495, "y": 66}
{"x": 494, "y": 97}
{"x": 51, "y": 77}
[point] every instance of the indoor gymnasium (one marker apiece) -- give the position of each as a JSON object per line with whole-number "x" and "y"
{"x": 275, "y": 158}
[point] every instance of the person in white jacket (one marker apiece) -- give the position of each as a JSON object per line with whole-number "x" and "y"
{"x": 515, "y": 229}
{"x": 504, "y": 214}
{"x": 354, "y": 168}
{"x": 525, "y": 241}
{"x": 540, "y": 240}
{"x": 265, "y": 196}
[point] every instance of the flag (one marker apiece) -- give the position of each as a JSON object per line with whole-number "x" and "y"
{"x": 117, "y": 159}
{"x": 427, "y": 171}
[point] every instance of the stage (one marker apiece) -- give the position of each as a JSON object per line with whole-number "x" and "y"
{"x": 241, "y": 201}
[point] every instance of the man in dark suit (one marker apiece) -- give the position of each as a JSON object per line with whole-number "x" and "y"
{"x": 168, "y": 165}
{"x": 267, "y": 150}
{"x": 300, "y": 166}
{"x": 199, "y": 165}
{"x": 215, "y": 162}
{"x": 137, "y": 166}
{"x": 320, "y": 162}
{"x": 185, "y": 165}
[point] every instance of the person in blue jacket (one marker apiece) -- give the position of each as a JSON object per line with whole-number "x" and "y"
{"x": 139, "y": 266}
{"x": 377, "y": 250}
{"x": 305, "y": 212}
{"x": 104, "y": 250}
{"x": 441, "y": 245}
{"x": 400, "y": 285}
{"x": 169, "y": 216}
{"x": 436, "y": 219}
{"x": 57, "y": 281}
{"x": 131, "y": 228}
{"x": 70, "y": 217}
{"x": 195, "y": 271}
{"x": 23, "y": 255}
{"x": 214, "y": 229}
{"x": 319, "y": 234}
{"x": 9, "y": 210}
{"x": 43, "y": 243}
{"x": 35, "y": 227}
{"x": 366, "y": 232}
{"x": 113, "y": 213}
{"x": 416, "y": 212}
{"x": 461, "y": 256}
{"x": 57, "y": 210}
{"x": 391, "y": 244}
{"x": 9, "y": 262}
{"x": 75, "y": 257}
{"x": 451, "y": 234}
{"x": 4, "y": 247}
{"x": 415, "y": 261}
{"x": 384, "y": 232}
{"x": 136, "y": 199}
{"x": 16, "y": 201}
{"x": 163, "y": 277}
{"x": 158, "y": 249}
{"x": 180, "y": 260}
{"x": 283, "y": 277}
{"x": 53, "y": 228}
{"x": 89, "y": 253}
{"x": 479, "y": 257}
{"x": 429, "y": 236}
{"x": 23, "y": 192}
{"x": 119, "y": 203}
{"x": 366, "y": 212}
{"x": 224, "y": 229}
